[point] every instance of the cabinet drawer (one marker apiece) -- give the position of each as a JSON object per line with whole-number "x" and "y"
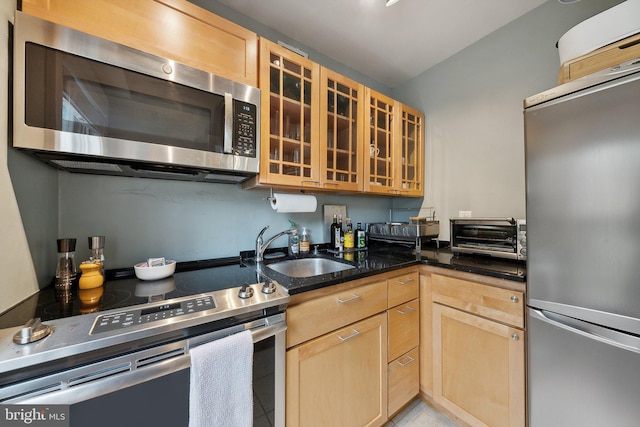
{"x": 206, "y": 41}
{"x": 313, "y": 318}
{"x": 502, "y": 305}
{"x": 403, "y": 375}
{"x": 404, "y": 328}
{"x": 403, "y": 288}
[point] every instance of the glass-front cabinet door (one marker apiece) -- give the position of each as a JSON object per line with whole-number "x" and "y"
{"x": 289, "y": 128}
{"x": 341, "y": 138}
{"x": 412, "y": 158}
{"x": 380, "y": 176}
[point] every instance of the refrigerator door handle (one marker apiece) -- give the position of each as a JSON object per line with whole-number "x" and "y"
{"x": 608, "y": 336}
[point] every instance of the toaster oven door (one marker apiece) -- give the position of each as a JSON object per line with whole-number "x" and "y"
{"x": 488, "y": 236}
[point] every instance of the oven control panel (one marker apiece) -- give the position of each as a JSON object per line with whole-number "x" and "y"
{"x": 133, "y": 317}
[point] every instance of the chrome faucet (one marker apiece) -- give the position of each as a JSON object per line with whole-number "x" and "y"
{"x": 260, "y": 248}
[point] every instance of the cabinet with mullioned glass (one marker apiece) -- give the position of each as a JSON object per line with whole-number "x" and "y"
{"x": 411, "y": 152}
{"x": 341, "y": 139}
{"x": 289, "y": 117}
{"x": 394, "y": 159}
{"x": 380, "y": 131}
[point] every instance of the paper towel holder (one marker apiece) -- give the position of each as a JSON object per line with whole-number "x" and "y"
{"x": 272, "y": 197}
{"x": 292, "y": 202}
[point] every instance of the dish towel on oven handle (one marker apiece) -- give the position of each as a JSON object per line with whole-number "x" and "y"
{"x": 221, "y": 392}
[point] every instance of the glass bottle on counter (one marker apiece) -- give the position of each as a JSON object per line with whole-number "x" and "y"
{"x": 305, "y": 241}
{"x": 349, "y": 241}
{"x": 294, "y": 240}
{"x": 332, "y": 231}
{"x": 339, "y": 236}
{"x": 361, "y": 237}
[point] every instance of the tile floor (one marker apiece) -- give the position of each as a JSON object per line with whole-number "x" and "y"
{"x": 419, "y": 414}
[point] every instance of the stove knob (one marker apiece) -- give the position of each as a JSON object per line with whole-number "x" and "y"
{"x": 268, "y": 287}
{"x": 245, "y": 291}
{"x": 32, "y": 331}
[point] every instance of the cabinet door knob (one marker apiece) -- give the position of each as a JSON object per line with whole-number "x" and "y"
{"x": 514, "y": 298}
{"x": 409, "y": 280}
{"x": 515, "y": 337}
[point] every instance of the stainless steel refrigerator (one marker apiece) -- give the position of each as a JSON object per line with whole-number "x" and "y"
{"x": 582, "y": 156}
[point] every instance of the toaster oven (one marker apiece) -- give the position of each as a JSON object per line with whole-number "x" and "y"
{"x": 498, "y": 237}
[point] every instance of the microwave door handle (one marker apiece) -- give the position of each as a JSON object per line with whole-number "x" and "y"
{"x": 228, "y": 123}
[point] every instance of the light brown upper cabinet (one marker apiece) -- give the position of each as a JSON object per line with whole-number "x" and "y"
{"x": 341, "y": 137}
{"x": 311, "y": 131}
{"x": 393, "y": 163}
{"x": 380, "y": 131}
{"x": 290, "y": 91}
{"x": 175, "y": 29}
{"x": 411, "y": 152}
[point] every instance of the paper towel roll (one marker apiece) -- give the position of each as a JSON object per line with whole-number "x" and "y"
{"x": 288, "y": 203}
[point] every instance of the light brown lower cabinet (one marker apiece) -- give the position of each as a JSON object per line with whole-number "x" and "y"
{"x": 478, "y": 363}
{"x": 340, "y": 378}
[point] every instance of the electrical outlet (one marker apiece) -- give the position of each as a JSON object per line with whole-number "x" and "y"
{"x": 464, "y": 214}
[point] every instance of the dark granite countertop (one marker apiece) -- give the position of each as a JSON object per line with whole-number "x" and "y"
{"x": 382, "y": 258}
{"x": 123, "y": 289}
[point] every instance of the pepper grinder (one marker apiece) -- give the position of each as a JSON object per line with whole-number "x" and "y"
{"x": 96, "y": 246}
{"x": 66, "y": 267}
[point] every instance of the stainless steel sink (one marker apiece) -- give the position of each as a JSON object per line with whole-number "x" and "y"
{"x": 308, "y": 267}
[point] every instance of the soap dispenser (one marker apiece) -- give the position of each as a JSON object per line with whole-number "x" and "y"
{"x": 305, "y": 241}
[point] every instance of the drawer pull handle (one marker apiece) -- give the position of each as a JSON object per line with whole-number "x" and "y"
{"x": 407, "y": 310}
{"x": 353, "y": 335}
{"x": 515, "y": 337}
{"x": 406, "y": 282}
{"x": 514, "y": 298}
{"x": 410, "y": 361}
{"x": 353, "y": 298}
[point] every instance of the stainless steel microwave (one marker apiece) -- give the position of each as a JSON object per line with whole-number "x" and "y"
{"x": 498, "y": 237}
{"x": 85, "y": 104}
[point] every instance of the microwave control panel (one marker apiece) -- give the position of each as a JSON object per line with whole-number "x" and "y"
{"x": 244, "y": 129}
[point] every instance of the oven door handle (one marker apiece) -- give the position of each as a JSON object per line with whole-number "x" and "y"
{"x": 260, "y": 330}
{"x": 262, "y": 333}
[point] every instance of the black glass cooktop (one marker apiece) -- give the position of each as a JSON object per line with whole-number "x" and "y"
{"x": 127, "y": 290}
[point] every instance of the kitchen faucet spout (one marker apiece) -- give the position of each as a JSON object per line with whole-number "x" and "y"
{"x": 261, "y": 248}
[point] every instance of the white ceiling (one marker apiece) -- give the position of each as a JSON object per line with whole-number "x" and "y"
{"x": 390, "y": 44}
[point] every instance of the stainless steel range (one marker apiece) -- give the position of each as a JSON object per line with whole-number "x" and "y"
{"x": 123, "y": 357}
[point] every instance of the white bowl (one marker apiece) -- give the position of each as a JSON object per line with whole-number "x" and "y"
{"x": 154, "y": 273}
